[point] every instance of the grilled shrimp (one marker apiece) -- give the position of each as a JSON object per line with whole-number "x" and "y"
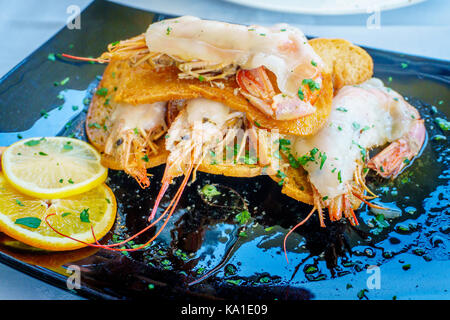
{"x": 134, "y": 130}
{"x": 275, "y": 68}
{"x": 199, "y": 128}
{"x": 363, "y": 117}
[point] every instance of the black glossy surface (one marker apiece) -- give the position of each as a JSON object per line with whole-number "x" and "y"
{"x": 324, "y": 263}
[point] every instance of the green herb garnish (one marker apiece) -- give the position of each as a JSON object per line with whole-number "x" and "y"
{"x": 300, "y": 94}
{"x": 312, "y": 84}
{"x": 94, "y": 125}
{"x": 31, "y": 222}
{"x": 84, "y": 215}
{"x": 32, "y": 143}
{"x": 102, "y": 92}
{"x": 209, "y": 191}
{"x": 243, "y": 217}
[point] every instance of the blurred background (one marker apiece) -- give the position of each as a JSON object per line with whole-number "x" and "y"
{"x": 419, "y": 27}
{"x": 415, "y": 27}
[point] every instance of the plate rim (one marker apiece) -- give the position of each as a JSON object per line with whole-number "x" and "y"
{"x": 319, "y": 12}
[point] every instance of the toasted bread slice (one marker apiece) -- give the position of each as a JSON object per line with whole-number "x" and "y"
{"x": 149, "y": 85}
{"x": 236, "y": 170}
{"x": 102, "y": 107}
{"x": 347, "y": 63}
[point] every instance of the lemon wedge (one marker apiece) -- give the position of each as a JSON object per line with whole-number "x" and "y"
{"x": 53, "y": 167}
{"x": 24, "y": 218}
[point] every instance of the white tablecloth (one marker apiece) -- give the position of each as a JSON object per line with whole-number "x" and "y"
{"x": 422, "y": 29}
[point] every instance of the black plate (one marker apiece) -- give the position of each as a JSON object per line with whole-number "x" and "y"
{"x": 412, "y": 250}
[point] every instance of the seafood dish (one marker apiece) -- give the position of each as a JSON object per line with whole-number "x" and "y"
{"x": 185, "y": 157}
{"x": 253, "y": 101}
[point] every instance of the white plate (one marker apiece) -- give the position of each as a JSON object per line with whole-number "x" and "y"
{"x": 326, "y": 7}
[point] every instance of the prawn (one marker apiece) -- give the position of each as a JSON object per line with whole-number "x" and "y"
{"x": 336, "y": 158}
{"x": 200, "y": 127}
{"x": 275, "y": 68}
{"x": 134, "y": 131}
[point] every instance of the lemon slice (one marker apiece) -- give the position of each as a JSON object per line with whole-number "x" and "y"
{"x": 53, "y": 167}
{"x": 23, "y": 217}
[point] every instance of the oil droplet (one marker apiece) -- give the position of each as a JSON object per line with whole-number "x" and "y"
{"x": 410, "y": 210}
{"x": 369, "y": 252}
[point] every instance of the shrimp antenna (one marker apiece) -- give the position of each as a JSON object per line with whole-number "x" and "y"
{"x": 172, "y": 206}
{"x": 84, "y": 58}
{"x": 292, "y": 230}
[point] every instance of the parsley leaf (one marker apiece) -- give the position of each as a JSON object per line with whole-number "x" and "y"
{"x": 31, "y": 222}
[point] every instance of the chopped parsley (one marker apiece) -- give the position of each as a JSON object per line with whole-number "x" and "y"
{"x": 243, "y": 217}
{"x": 44, "y": 114}
{"x": 442, "y": 123}
{"x": 209, "y": 191}
{"x": 84, "y": 215}
{"x": 341, "y": 109}
{"x": 248, "y": 159}
{"x": 32, "y": 143}
{"x": 293, "y": 162}
{"x": 145, "y": 158}
{"x": 94, "y": 125}
{"x": 64, "y": 81}
{"x": 31, "y": 222}
{"x": 102, "y": 92}
{"x": 314, "y": 63}
{"x": 20, "y": 203}
{"x": 68, "y": 146}
{"x": 282, "y": 175}
{"x": 323, "y": 158}
{"x": 311, "y": 84}
{"x": 168, "y": 30}
{"x": 301, "y": 94}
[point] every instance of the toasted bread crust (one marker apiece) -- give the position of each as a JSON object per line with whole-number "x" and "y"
{"x": 238, "y": 170}
{"x": 101, "y": 108}
{"x": 348, "y": 63}
{"x": 149, "y": 85}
